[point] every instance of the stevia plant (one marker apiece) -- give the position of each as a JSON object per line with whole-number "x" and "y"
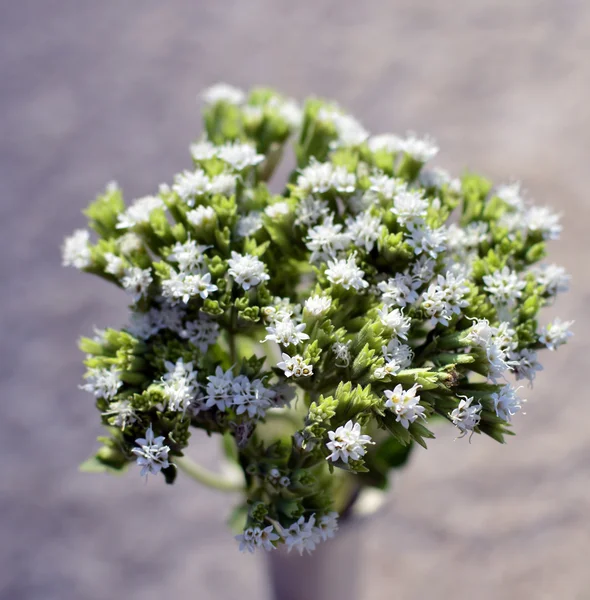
{"x": 318, "y": 331}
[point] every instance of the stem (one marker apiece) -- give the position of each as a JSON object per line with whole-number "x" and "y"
{"x": 206, "y": 477}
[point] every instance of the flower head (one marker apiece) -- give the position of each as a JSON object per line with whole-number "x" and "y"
{"x": 347, "y": 442}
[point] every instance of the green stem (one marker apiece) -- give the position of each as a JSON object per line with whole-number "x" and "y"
{"x": 206, "y": 477}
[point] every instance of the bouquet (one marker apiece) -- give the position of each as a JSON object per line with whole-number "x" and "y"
{"x": 317, "y": 331}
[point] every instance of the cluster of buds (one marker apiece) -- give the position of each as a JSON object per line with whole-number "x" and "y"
{"x": 320, "y": 330}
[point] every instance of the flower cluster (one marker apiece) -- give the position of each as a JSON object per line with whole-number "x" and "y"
{"x": 318, "y": 331}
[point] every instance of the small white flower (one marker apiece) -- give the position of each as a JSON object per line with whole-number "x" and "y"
{"x": 189, "y": 255}
{"x": 103, "y": 383}
{"x": 386, "y": 186}
{"x": 420, "y": 149}
{"x": 152, "y": 454}
{"x": 423, "y": 239}
{"x": 542, "y": 219}
{"x": 310, "y": 210}
{"x": 180, "y": 384}
{"x": 251, "y": 397}
{"x": 506, "y": 403}
{"x": 466, "y": 416}
{"x": 223, "y": 92}
{"x": 398, "y": 291}
{"x": 395, "y": 321}
{"x": 405, "y": 404}
{"x": 219, "y": 389}
{"x": 316, "y": 178}
{"x": 439, "y": 178}
{"x": 302, "y": 535}
{"x": 349, "y": 131}
{"x": 553, "y": 278}
{"x": 190, "y": 184}
{"x": 201, "y": 217}
{"x": 115, "y": 264}
{"x": 327, "y": 526}
{"x": 386, "y": 141}
{"x": 285, "y": 332}
{"x": 247, "y": 270}
{"x": 277, "y": 210}
{"x": 121, "y": 414}
{"x": 342, "y": 352}
{"x": 346, "y": 273}
{"x": 511, "y": 194}
{"x": 364, "y": 230}
{"x": 254, "y": 538}
{"x": 203, "y": 150}
{"x": 347, "y": 442}
{"x": 137, "y": 281}
{"x": 318, "y": 305}
{"x": 524, "y": 364}
{"x": 239, "y": 155}
{"x": 295, "y": 366}
{"x": 76, "y": 250}
{"x": 139, "y": 211}
{"x": 556, "y": 334}
{"x": 129, "y": 243}
{"x": 326, "y": 240}
{"x": 249, "y": 224}
{"x": 343, "y": 181}
{"x": 505, "y": 287}
{"x": 409, "y": 205}
{"x": 223, "y": 184}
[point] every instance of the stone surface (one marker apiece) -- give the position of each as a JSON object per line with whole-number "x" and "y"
{"x": 107, "y": 90}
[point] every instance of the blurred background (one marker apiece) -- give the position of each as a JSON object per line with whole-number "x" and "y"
{"x": 94, "y": 91}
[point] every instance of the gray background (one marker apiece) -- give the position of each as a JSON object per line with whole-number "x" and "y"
{"x": 93, "y": 91}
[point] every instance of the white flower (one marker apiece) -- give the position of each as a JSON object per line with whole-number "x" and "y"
{"x": 466, "y": 416}
{"x": 343, "y": 181}
{"x": 288, "y": 109}
{"x": 318, "y": 305}
{"x": 398, "y": 291}
{"x": 310, "y": 210}
{"x": 121, "y": 414}
{"x": 201, "y": 217}
{"x": 439, "y": 178}
{"x": 115, "y": 264}
{"x": 316, "y": 178}
{"x": 180, "y": 384}
{"x": 139, "y": 211}
{"x": 251, "y": 397}
{"x": 103, "y": 383}
{"x": 504, "y": 286}
{"x": 224, "y": 184}
{"x": 346, "y": 273}
{"x": 203, "y": 150}
{"x": 285, "y": 332}
{"x": 247, "y": 270}
{"x": 223, "y": 92}
{"x": 506, "y": 403}
{"x": 423, "y": 269}
{"x": 326, "y": 240}
{"x": 295, "y": 366}
{"x": 364, "y": 230}
{"x": 327, "y": 525}
{"x": 202, "y": 333}
{"x": 302, "y": 535}
{"x": 511, "y": 194}
{"x": 420, "y": 149}
{"x": 277, "y": 210}
{"x": 239, "y": 155}
{"x": 409, "y": 205}
{"x": 76, "y": 250}
{"x": 349, "y": 131}
{"x": 405, "y": 404}
{"x": 542, "y": 219}
{"x": 388, "y": 187}
{"x": 497, "y": 342}
{"x": 556, "y": 334}
{"x": 219, "y": 390}
{"x": 525, "y": 365}
{"x": 436, "y": 305}
{"x": 190, "y": 184}
{"x": 553, "y": 278}
{"x": 249, "y": 224}
{"x": 129, "y": 243}
{"x": 386, "y": 141}
{"x": 342, "y": 352}
{"x": 397, "y": 356}
{"x": 189, "y": 255}
{"x": 152, "y": 454}
{"x": 347, "y": 442}
{"x": 427, "y": 240}
{"x": 187, "y": 285}
{"x": 254, "y": 538}
{"x": 137, "y": 281}
{"x": 395, "y": 321}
